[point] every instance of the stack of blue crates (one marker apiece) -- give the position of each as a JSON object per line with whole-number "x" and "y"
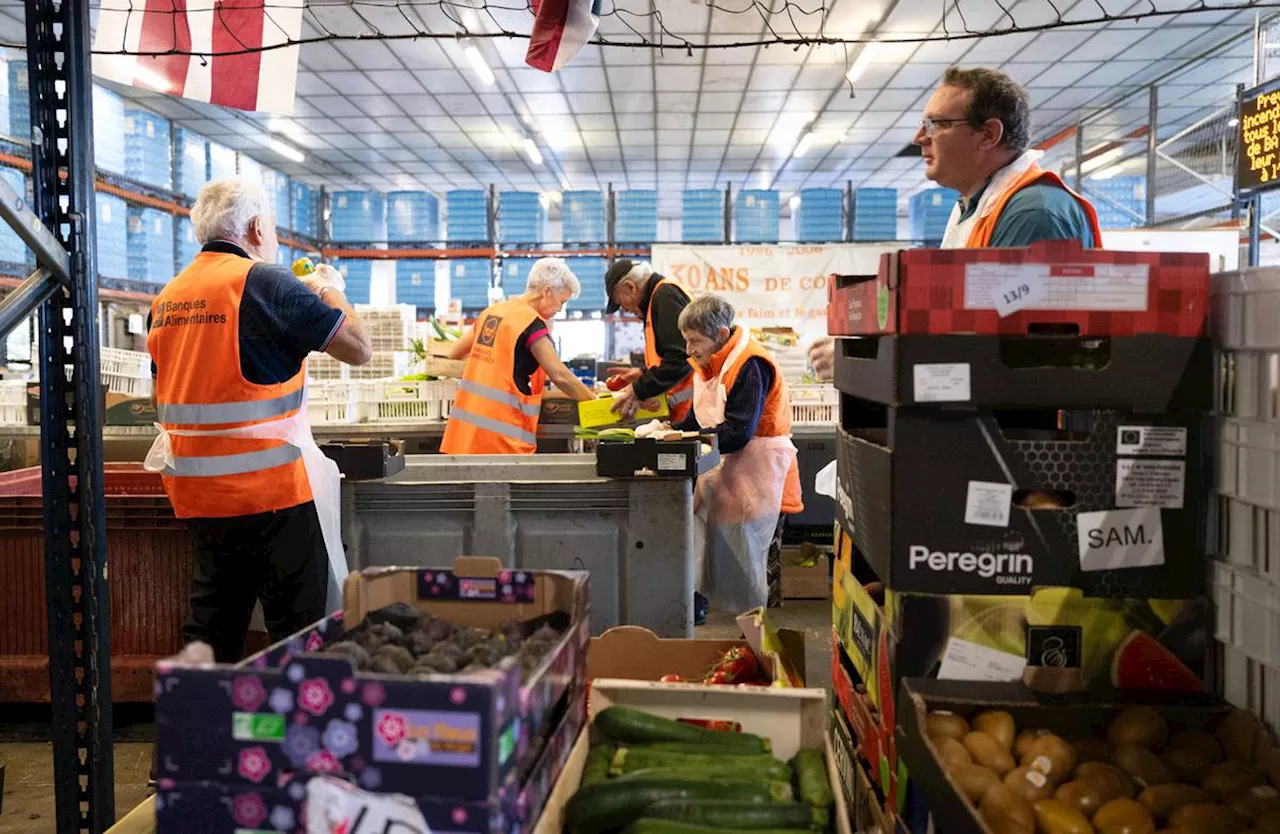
{"x": 583, "y": 215}
{"x": 635, "y": 217}
{"x": 147, "y": 146}
{"x": 113, "y": 236}
{"x": 416, "y": 283}
{"x": 277, "y": 187}
{"x": 108, "y": 131}
{"x": 1110, "y": 194}
{"x": 520, "y": 218}
{"x": 251, "y": 170}
{"x": 358, "y": 216}
{"x": 515, "y": 275}
{"x": 875, "y": 214}
{"x": 12, "y": 249}
{"x": 413, "y": 217}
{"x": 590, "y": 272}
{"x": 469, "y": 280}
{"x": 359, "y": 278}
{"x": 192, "y": 161}
{"x": 19, "y": 101}
{"x": 222, "y": 162}
{"x": 150, "y": 245}
{"x": 820, "y": 216}
{"x": 930, "y": 211}
{"x": 188, "y": 246}
{"x": 466, "y": 217}
{"x": 306, "y": 219}
{"x": 702, "y": 216}
{"x": 756, "y": 216}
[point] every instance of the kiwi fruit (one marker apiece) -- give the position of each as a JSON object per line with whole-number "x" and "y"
{"x": 1228, "y": 778}
{"x": 1052, "y": 756}
{"x": 1189, "y": 754}
{"x": 1207, "y": 818}
{"x": 1054, "y": 817}
{"x": 1143, "y": 726}
{"x": 973, "y": 780}
{"x": 1239, "y": 732}
{"x": 1113, "y": 781}
{"x": 1163, "y": 800}
{"x": 951, "y": 752}
{"x": 1031, "y": 785}
{"x": 1251, "y": 803}
{"x": 945, "y": 724}
{"x": 1085, "y": 797}
{"x": 1143, "y": 765}
{"x": 987, "y": 752}
{"x": 998, "y": 724}
{"x": 1123, "y": 816}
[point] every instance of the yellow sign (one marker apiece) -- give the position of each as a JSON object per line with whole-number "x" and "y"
{"x": 1258, "y": 155}
{"x": 599, "y": 412}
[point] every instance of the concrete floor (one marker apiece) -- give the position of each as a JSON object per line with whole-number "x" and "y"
{"x": 28, "y": 787}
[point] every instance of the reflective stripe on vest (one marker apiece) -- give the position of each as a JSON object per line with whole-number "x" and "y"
{"x": 488, "y": 392}
{"x": 216, "y": 465}
{"x": 212, "y": 414}
{"x": 495, "y": 426}
{"x": 675, "y": 397}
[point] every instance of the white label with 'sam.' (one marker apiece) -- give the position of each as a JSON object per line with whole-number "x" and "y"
{"x": 1115, "y": 539}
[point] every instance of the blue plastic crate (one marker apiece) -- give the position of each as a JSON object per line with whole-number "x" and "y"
{"x": 413, "y": 217}
{"x": 278, "y": 192}
{"x": 359, "y": 278}
{"x": 820, "y": 215}
{"x": 358, "y": 216}
{"x": 147, "y": 147}
{"x": 305, "y": 215}
{"x": 469, "y": 281}
{"x": 590, "y": 273}
{"x": 222, "y": 162}
{"x": 150, "y": 245}
{"x": 466, "y": 216}
{"x": 248, "y": 168}
{"x": 636, "y": 216}
{"x": 19, "y": 101}
{"x": 583, "y": 217}
{"x": 521, "y": 219}
{"x": 702, "y": 216}
{"x": 929, "y": 212}
{"x": 12, "y": 250}
{"x": 113, "y": 236}
{"x": 108, "y": 131}
{"x": 515, "y": 275}
{"x": 191, "y": 161}
{"x": 188, "y": 246}
{"x": 416, "y": 283}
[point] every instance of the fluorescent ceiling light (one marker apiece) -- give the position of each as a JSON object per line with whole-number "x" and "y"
{"x": 547, "y": 198}
{"x": 795, "y": 202}
{"x": 535, "y": 155}
{"x": 287, "y": 151}
{"x": 564, "y": 184}
{"x": 1101, "y": 160}
{"x": 478, "y": 64}
{"x": 806, "y": 142}
{"x": 151, "y": 78}
{"x": 860, "y": 64}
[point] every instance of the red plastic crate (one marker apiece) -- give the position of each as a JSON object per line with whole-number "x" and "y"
{"x": 924, "y": 291}
{"x": 149, "y": 559}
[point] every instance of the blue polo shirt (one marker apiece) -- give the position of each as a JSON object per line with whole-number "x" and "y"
{"x": 1037, "y": 212}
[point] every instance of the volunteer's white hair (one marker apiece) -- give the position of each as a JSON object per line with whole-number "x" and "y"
{"x": 555, "y": 275}
{"x": 706, "y": 314}
{"x": 640, "y": 272}
{"x": 224, "y": 208}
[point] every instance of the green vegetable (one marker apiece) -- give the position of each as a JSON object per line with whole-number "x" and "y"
{"x": 779, "y": 791}
{"x": 696, "y": 749}
{"x": 630, "y": 759}
{"x": 632, "y": 726}
{"x": 737, "y": 816}
{"x": 811, "y": 778}
{"x": 435, "y": 325}
{"x": 612, "y": 804}
{"x": 598, "y": 761}
{"x": 649, "y": 825}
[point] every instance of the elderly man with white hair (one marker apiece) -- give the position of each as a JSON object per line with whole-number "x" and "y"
{"x": 510, "y": 357}
{"x": 633, "y": 286}
{"x": 229, "y": 338}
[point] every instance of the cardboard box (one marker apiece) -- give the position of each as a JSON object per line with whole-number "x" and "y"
{"x": 866, "y": 804}
{"x": 1052, "y": 285}
{"x": 33, "y": 403}
{"x": 444, "y": 368}
{"x": 872, "y": 727}
{"x": 283, "y": 711}
{"x": 646, "y": 457}
{"x": 789, "y": 718}
{"x": 128, "y": 410}
{"x": 558, "y": 409}
{"x": 805, "y": 581}
{"x": 1149, "y": 373}
{"x": 982, "y": 502}
{"x": 636, "y": 653}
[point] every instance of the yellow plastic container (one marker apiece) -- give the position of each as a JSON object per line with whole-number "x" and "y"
{"x": 594, "y": 413}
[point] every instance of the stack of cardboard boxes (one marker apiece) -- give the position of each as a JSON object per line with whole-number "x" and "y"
{"x": 1022, "y": 472}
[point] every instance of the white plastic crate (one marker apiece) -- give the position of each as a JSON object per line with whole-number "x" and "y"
{"x": 1247, "y": 536}
{"x": 1249, "y": 685}
{"x": 13, "y": 402}
{"x": 384, "y": 364}
{"x": 814, "y": 403}
{"x": 1249, "y": 461}
{"x": 333, "y": 401}
{"x": 1244, "y": 309}
{"x": 1248, "y": 384}
{"x": 125, "y": 362}
{"x": 390, "y": 328}
{"x": 393, "y": 401}
{"x": 130, "y": 384}
{"x": 1248, "y": 612}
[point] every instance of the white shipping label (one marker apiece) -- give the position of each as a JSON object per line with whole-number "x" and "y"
{"x": 942, "y": 383}
{"x": 334, "y": 806}
{"x": 1121, "y": 287}
{"x": 1018, "y": 293}
{"x": 988, "y": 504}
{"x": 670, "y": 462}
{"x": 1113, "y": 539}
{"x": 1163, "y": 441}
{"x": 105, "y": 214}
{"x": 1150, "y": 483}
{"x": 966, "y": 661}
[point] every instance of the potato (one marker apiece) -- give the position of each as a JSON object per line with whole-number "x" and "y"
{"x": 1163, "y": 800}
{"x": 945, "y": 724}
{"x": 1239, "y": 733}
{"x": 1092, "y": 750}
{"x": 1052, "y": 756}
{"x": 1031, "y": 785}
{"x": 1024, "y": 740}
{"x": 998, "y": 724}
{"x": 973, "y": 780}
{"x": 1113, "y": 781}
{"x": 987, "y": 752}
{"x": 951, "y": 752}
{"x": 1226, "y": 779}
{"x": 1143, "y": 765}
{"x": 1189, "y": 754}
{"x": 1085, "y": 797}
{"x": 1137, "y": 725}
{"x": 1268, "y": 821}
{"x": 1054, "y": 817}
{"x": 1251, "y": 803}
{"x": 1001, "y": 803}
{"x": 1207, "y": 818}
{"x": 1123, "y": 816}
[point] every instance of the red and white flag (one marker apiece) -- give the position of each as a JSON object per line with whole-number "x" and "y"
{"x": 259, "y": 78}
{"x": 560, "y": 29}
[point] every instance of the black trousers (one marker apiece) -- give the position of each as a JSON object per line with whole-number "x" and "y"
{"x": 278, "y": 558}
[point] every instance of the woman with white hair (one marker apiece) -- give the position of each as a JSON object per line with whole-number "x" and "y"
{"x": 510, "y": 357}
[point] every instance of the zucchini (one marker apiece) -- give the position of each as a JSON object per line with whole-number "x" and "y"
{"x": 697, "y": 749}
{"x": 779, "y": 791}
{"x": 811, "y": 779}
{"x": 629, "y": 759}
{"x": 649, "y": 825}
{"x": 612, "y": 804}
{"x": 736, "y": 816}
{"x": 598, "y": 761}
{"x": 635, "y": 727}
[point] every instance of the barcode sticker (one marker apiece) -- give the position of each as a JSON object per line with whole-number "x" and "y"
{"x": 671, "y": 462}
{"x": 988, "y": 504}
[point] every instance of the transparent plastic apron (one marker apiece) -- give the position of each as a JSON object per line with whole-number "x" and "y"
{"x": 957, "y": 234}
{"x": 322, "y": 475}
{"x": 736, "y": 505}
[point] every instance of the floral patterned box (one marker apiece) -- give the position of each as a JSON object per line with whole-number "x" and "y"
{"x": 283, "y": 714}
{"x": 213, "y": 808}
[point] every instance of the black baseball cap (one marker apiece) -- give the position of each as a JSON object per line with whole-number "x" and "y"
{"x": 612, "y": 278}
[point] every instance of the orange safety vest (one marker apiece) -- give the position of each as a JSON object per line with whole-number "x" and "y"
{"x": 984, "y": 228}
{"x": 195, "y": 344}
{"x": 490, "y": 415}
{"x": 775, "y": 417}
{"x": 680, "y": 395}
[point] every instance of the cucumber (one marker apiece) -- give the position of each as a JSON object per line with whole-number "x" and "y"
{"x": 649, "y": 825}
{"x": 606, "y": 805}
{"x": 598, "y": 760}
{"x": 635, "y": 727}
{"x": 737, "y": 816}
{"x": 811, "y": 779}
{"x": 779, "y": 791}
{"x": 696, "y": 749}
{"x": 629, "y": 759}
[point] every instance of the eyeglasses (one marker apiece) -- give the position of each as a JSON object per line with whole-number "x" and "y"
{"x": 930, "y": 126}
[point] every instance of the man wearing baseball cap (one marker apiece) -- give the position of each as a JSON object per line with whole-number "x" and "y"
{"x": 633, "y": 286}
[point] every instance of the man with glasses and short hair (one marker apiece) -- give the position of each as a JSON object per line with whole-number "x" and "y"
{"x": 974, "y": 138}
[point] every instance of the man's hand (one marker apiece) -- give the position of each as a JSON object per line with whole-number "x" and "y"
{"x": 822, "y": 355}
{"x": 625, "y": 403}
{"x": 324, "y": 278}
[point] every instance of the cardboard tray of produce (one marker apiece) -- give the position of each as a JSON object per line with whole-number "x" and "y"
{"x": 367, "y": 461}
{"x": 790, "y": 718}
{"x": 1074, "y": 718}
{"x": 689, "y": 456}
{"x": 295, "y": 709}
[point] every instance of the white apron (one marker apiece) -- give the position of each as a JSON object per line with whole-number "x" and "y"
{"x": 957, "y": 233}
{"x": 736, "y": 505}
{"x": 322, "y": 475}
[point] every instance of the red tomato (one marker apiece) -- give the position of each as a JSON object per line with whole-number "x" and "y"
{"x": 719, "y": 676}
{"x": 616, "y": 383}
{"x": 671, "y": 679}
